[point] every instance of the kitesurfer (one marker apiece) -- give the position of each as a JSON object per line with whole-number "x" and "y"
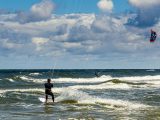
{"x": 48, "y": 90}
{"x": 97, "y": 74}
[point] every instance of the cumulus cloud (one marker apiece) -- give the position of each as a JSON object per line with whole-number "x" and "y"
{"x": 105, "y": 5}
{"x": 9, "y": 44}
{"x": 148, "y": 14}
{"x": 144, "y": 3}
{"x": 77, "y": 36}
{"x": 38, "y": 12}
{"x": 43, "y": 9}
{"x": 100, "y": 37}
{"x": 39, "y": 42}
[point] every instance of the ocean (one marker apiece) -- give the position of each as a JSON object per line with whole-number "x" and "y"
{"x": 123, "y": 94}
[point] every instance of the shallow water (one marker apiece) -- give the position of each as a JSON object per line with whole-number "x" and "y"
{"x": 114, "y": 95}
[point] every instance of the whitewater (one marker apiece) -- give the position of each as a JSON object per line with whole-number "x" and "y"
{"x": 79, "y": 94}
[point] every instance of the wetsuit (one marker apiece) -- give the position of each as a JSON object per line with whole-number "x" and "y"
{"x": 48, "y": 91}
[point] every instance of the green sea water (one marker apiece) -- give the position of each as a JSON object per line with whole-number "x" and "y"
{"x": 81, "y": 95}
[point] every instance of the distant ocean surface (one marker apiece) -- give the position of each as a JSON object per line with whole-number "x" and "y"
{"x": 81, "y": 94}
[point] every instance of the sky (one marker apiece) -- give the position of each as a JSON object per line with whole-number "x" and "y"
{"x": 63, "y": 6}
{"x": 79, "y": 34}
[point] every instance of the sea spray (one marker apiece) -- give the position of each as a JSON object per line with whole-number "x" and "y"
{"x": 84, "y": 98}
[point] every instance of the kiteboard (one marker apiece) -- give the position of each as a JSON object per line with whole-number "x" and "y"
{"x": 49, "y": 101}
{"x": 43, "y": 100}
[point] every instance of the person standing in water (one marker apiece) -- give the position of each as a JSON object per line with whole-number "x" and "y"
{"x": 97, "y": 74}
{"x": 48, "y": 90}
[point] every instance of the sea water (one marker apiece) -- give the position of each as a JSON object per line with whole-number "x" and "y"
{"x": 81, "y": 95}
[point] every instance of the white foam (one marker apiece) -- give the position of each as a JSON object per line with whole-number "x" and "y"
{"x": 139, "y": 78}
{"x": 71, "y": 93}
{"x": 136, "y": 79}
{"x": 19, "y": 90}
{"x": 24, "y": 78}
{"x": 151, "y": 70}
{"x": 151, "y": 82}
{"x": 84, "y": 98}
{"x": 36, "y": 74}
{"x": 102, "y": 86}
{"x": 55, "y": 90}
{"x": 82, "y": 80}
{"x": 42, "y": 99}
{"x": 119, "y": 103}
{"x": 30, "y": 79}
{"x": 11, "y": 80}
{"x": 68, "y": 80}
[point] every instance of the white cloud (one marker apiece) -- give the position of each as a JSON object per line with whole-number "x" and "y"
{"x": 148, "y": 12}
{"x": 43, "y": 9}
{"x": 55, "y": 25}
{"x": 144, "y": 3}
{"x": 99, "y": 37}
{"x": 39, "y": 42}
{"x": 76, "y": 35}
{"x": 38, "y": 12}
{"x": 105, "y": 5}
{"x": 10, "y": 45}
{"x": 72, "y": 45}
